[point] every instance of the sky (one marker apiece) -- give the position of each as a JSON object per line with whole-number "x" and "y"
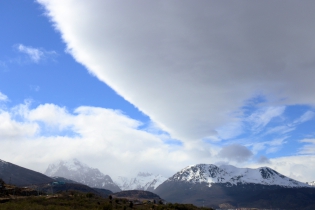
{"x": 155, "y": 86}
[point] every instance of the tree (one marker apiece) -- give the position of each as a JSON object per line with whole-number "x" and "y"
{"x": 1, "y": 184}
{"x": 131, "y": 204}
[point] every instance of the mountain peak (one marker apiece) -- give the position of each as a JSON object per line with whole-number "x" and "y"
{"x": 82, "y": 173}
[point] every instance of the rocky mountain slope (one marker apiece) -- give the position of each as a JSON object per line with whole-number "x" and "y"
{"x": 212, "y": 186}
{"x": 82, "y": 173}
{"x": 143, "y": 181}
{"x": 19, "y": 176}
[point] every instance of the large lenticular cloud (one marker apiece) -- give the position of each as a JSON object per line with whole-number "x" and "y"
{"x": 191, "y": 65}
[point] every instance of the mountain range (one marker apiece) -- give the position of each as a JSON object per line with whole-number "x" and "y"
{"x": 207, "y": 185}
{"x": 143, "y": 181}
{"x": 81, "y": 173}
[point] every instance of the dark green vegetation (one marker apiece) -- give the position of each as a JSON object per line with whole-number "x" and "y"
{"x": 64, "y": 198}
{"x": 82, "y": 201}
{"x": 241, "y": 195}
{"x": 137, "y": 194}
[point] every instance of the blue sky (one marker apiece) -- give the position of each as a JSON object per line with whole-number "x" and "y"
{"x": 55, "y": 77}
{"x": 158, "y": 86}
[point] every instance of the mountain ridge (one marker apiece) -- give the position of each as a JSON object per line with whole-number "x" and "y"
{"x": 82, "y": 173}
{"x": 210, "y": 173}
{"x": 143, "y": 181}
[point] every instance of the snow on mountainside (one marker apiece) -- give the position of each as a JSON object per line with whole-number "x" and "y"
{"x": 311, "y": 183}
{"x": 82, "y": 173}
{"x": 143, "y": 181}
{"x": 208, "y": 173}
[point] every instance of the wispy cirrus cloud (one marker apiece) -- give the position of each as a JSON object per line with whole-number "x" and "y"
{"x": 308, "y": 115}
{"x": 34, "y": 54}
{"x": 3, "y": 97}
{"x": 270, "y": 146}
{"x": 308, "y": 148}
{"x": 260, "y": 119}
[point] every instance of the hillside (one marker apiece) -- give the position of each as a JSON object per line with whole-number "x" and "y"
{"x": 19, "y": 176}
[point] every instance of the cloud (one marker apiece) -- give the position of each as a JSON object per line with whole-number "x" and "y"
{"x": 301, "y": 168}
{"x": 230, "y": 130}
{"x": 109, "y": 140}
{"x": 263, "y": 116}
{"x": 308, "y": 115}
{"x": 3, "y": 97}
{"x": 235, "y": 152}
{"x": 13, "y": 130}
{"x": 196, "y": 63}
{"x": 35, "y": 54}
{"x": 263, "y": 160}
{"x": 271, "y": 146}
{"x": 103, "y": 138}
{"x": 309, "y": 148}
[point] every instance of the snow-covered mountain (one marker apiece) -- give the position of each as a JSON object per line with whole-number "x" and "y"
{"x": 210, "y": 185}
{"x": 143, "y": 181}
{"x": 311, "y": 183}
{"x": 82, "y": 173}
{"x": 208, "y": 173}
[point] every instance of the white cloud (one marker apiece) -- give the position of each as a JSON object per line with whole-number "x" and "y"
{"x": 103, "y": 138}
{"x": 3, "y": 97}
{"x": 263, "y": 116}
{"x": 309, "y": 148}
{"x": 191, "y": 66}
{"x": 279, "y": 130}
{"x": 271, "y": 146}
{"x": 35, "y": 54}
{"x": 308, "y": 115}
{"x": 13, "y": 130}
{"x": 111, "y": 141}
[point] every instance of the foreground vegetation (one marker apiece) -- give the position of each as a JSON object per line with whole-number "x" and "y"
{"x": 81, "y": 201}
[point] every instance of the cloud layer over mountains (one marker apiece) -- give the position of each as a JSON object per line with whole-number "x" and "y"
{"x": 191, "y": 67}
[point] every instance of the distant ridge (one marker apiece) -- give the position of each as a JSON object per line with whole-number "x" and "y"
{"x": 19, "y": 176}
{"x": 143, "y": 181}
